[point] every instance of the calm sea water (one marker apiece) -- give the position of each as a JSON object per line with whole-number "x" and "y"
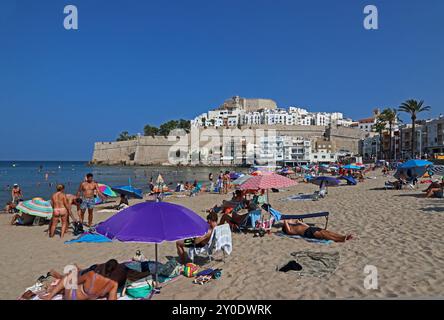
{"x": 30, "y": 175}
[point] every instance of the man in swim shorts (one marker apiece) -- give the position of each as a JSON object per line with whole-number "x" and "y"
{"x": 88, "y": 190}
{"x": 297, "y": 227}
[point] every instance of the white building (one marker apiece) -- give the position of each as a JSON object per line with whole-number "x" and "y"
{"x": 264, "y": 112}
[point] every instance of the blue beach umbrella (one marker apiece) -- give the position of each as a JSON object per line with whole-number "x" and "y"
{"x": 327, "y": 181}
{"x": 352, "y": 167}
{"x": 415, "y": 164}
{"x": 129, "y": 191}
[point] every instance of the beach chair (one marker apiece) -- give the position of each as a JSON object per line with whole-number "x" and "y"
{"x": 254, "y": 222}
{"x": 220, "y": 241}
{"x": 389, "y": 185}
{"x": 278, "y": 216}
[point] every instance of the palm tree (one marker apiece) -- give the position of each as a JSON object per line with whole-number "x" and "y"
{"x": 391, "y": 117}
{"x": 379, "y": 127}
{"x": 413, "y": 107}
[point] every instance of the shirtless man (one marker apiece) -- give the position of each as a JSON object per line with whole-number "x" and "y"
{"x": 297, "y": 227}
{"x": 61, "y": 209}
{"x": 74, "y": 201}
{"x": 88, "y": 189}
{"x": 198, "y": 242}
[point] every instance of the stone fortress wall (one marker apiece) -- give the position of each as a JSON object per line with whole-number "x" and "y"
{"x": 154, "y": 150}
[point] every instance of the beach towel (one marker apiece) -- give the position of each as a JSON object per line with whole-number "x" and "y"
{"x": 316, "y": 264}
{"x": 89, "y": 237}
{"x": 222, "y": 238}
{"x": 299, "y": 197}
{"x": 284, "y": 235}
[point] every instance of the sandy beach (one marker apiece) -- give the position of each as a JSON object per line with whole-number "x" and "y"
{"x": 398, "y": 231}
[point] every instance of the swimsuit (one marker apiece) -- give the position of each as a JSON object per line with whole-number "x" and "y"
{"x": 60, "y": 211}
{"x": 310, "y": 231}
{"x": 87, "y": 203}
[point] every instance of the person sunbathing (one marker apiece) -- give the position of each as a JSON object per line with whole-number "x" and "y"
{"x": 22, "y": 219}
{"x": 298, "y": 228}
{"x": 95, "y": 282}
{"x": 197, "y": 242}
{"x": 436, "y": 191}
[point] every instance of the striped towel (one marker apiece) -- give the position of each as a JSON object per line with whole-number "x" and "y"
{"x": 437, "y": 170}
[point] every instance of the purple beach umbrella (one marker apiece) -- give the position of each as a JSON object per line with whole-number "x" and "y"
{"x": 153, "y": 222}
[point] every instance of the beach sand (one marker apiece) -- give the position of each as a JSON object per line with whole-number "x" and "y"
{"x": 398, "y": 232}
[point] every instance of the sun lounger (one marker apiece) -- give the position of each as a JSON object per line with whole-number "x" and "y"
{"x": 220, "y": 241}
{"x": 278, "y": 216}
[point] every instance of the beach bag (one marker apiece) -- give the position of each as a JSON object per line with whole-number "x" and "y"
{"x": 190, "y": 270}
{"x": 139, "y": 289}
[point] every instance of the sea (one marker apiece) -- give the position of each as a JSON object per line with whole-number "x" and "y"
{"x": 39, "y": 178}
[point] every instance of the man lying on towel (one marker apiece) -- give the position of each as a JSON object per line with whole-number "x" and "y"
{"x": 296, "y": 227}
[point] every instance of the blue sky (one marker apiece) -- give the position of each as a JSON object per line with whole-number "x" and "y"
{"x": 137, "y": 62}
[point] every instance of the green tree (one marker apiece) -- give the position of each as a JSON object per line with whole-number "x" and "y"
{"x": 184, "y": 124}
{"x": 391, "y": 117}
{"x": 150, "y": 130}
{"x": 165, "y": 128}
{"x": 413, "y": 108}
{"x": 125, "y": 136}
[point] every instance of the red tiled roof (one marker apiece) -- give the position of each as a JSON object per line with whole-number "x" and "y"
{"x": 367, "y": 120}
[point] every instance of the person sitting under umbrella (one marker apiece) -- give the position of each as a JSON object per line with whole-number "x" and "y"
{"x": 197, "y": 242}
{"x": 22, "y": 219}
{"x": 298, "y": 228}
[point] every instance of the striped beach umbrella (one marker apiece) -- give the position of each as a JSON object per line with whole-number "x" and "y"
{"x": 267, "y": 181}
{"x": 36, "y": 207}
{"x": 107, "y": 191}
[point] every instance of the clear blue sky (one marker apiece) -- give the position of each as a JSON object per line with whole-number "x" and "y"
{"x": 138, "y": 62}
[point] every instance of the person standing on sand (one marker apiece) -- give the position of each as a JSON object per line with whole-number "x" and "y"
{"x": 88, "y": 190}
{"x": 16, "y": 194}
{"x": 211, "y": 179}
{"x": 61, "y": 210}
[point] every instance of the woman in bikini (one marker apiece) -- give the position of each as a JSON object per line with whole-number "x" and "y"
{"x": 16, "y": 194}
{"x": 297, "y": 227}
{"x": 93, "y": 283}
{"x": 61, "y": 210}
